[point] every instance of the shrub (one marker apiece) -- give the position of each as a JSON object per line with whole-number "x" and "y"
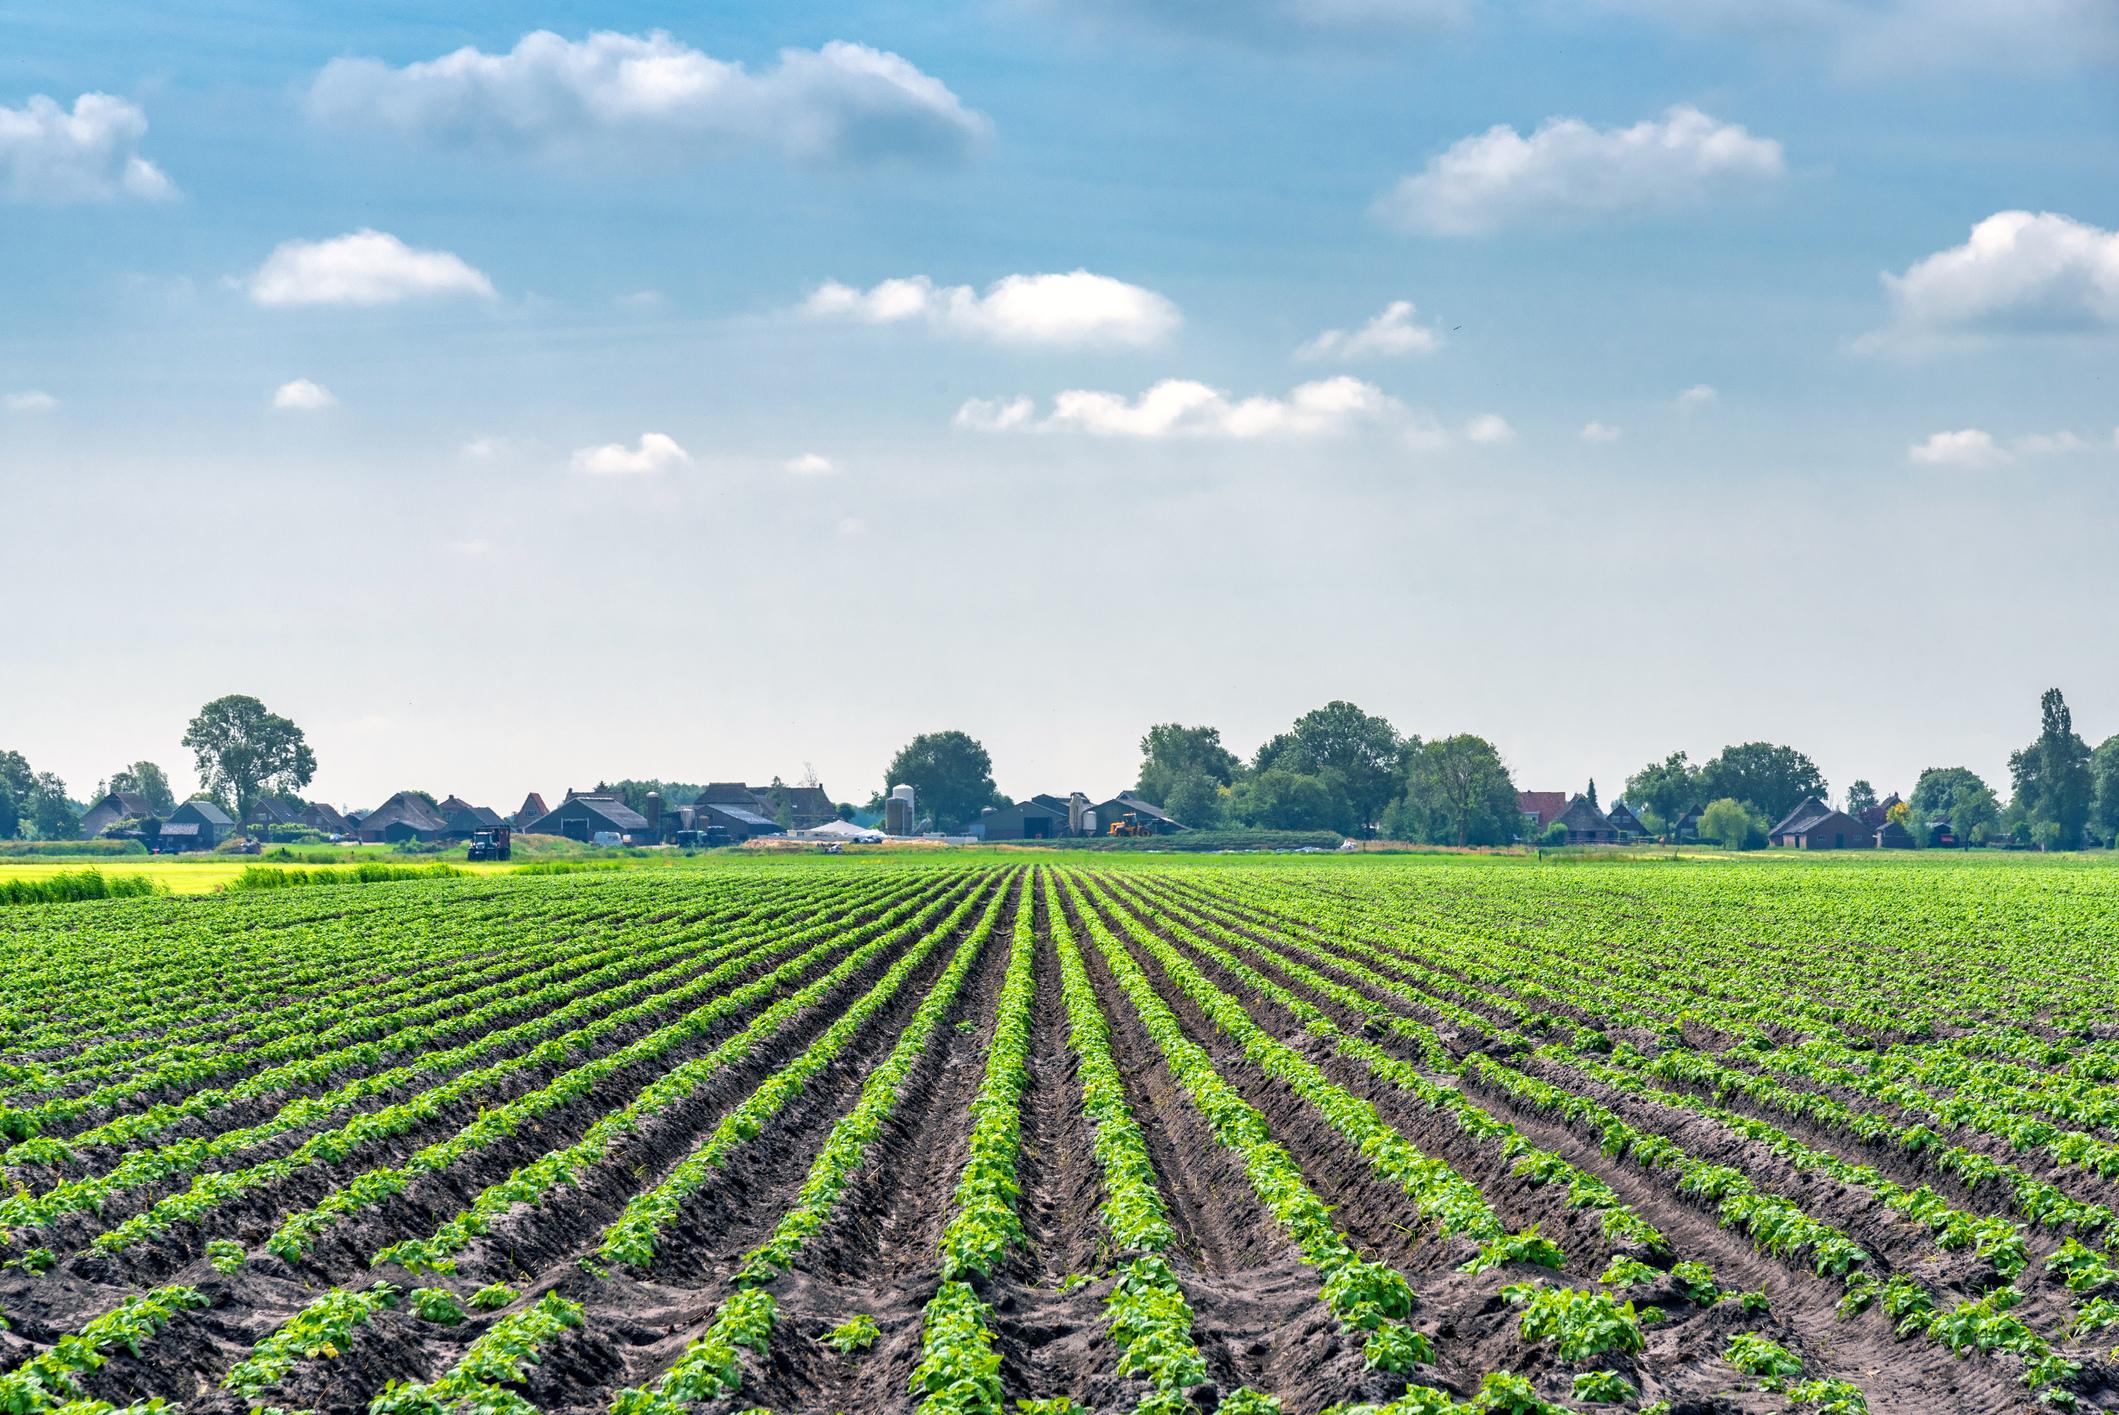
{"x": 70, "y": 886}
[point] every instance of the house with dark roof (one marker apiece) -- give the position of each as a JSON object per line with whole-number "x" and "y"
{"x": 1585, "y": 824}
{"x": 114, "y": 807}
{"x": 738, "y": 823}
{"x": 1030, "y": 819}
{"x": 532, "y": 808}
{"x": 195, "y": 825}
{"x": 1874, "y": 816}
{"x": 584, "y": 817}
{"x": 1540, "y": 809}
{"x": 1813, "y": 825}
{"x": 1625, "y": 822}
{"x": 405, "y": 816}
{"x": 274, "y": 810}
{"x": 325, "y": 819}
{"x": 466, "y": 820}
{"x": 807, "y": 806}
{"x": 1687, "y": 826}
{"x": 1892, "y": 836}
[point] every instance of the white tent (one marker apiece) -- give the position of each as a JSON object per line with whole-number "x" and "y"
{"x": 846, "y": 830}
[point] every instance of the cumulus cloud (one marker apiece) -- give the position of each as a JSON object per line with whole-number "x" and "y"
{"x": 52, "y": 156}
{"x": 30, "y": 400}
{"x": 2019, "y": 272}
{"x": 1700, "y": 395}
{"x": 1186, "y": 408}
{"x": 655, "y": 453}
{"x": 1390, "y": 334}
{"x": 1489, "y": 430}
{"x": 1078, "y": 309}
{"x": 809, "y": 464}
{"x": 2041, "y": 444}
{"x": 362, "y": 268}
{"x": 1967, "y": 447}
{"x": 1568, "y": 170}
{"x": 1594, "y": 431}
{"x": 616, "y": 93}
{"x": 303, "y": 396}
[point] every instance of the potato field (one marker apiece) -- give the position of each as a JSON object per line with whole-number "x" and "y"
{"x": 1051, "y": 1133}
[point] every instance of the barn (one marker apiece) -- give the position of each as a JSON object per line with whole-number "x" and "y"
{"x": 1892, "y": 836}
{"x": 740, "y": 822}
{"x": 533, "y": 808}
{"x": 586, "y": 817}
{"x": 1034, "y": 819}
{"x": 115, "y": 807}
{"x": 1127, "y": 807}
{"x": 1813, "y": 825}
{"x": 210, "y": 826}
{"x": 1625, "y": 822}
{"x": 1585, "y": 824}
{"x": 325, "y": 819}
{"x": 405, "y": 816}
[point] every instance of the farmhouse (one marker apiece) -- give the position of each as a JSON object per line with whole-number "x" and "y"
{"x": 196, "y": 825}
{"x": 807, "y": 806}
{"x": 532, "y": 808}
{"x": 1540, "y": 809}
{"x": 326, "y": 819}
{"x": 1813, "y": 825}
{"x": 1585, "y": 824}
{"x": 115, "y": 807}
{"x": 1686, "y": 826}
{"x": 405, "y": 816}
{"x": 274, "y": 810}
{"x": 1625, "y": 822}
{"x": 465, "y": 820}
{"x": 585, "y": 817}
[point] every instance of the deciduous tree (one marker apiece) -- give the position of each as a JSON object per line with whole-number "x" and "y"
{"x": 1767, "y": 777}
{"x": 1935, "y": 794}
{"x": 148, "y": 781}
{"x": 244, "y": 751}
{"x": 1861, "y": 796}
{"x": 951, "y": 777}
{"x": 1666, "y": 789}
{"x": 2052, "y": 777}
{"x": 1363, "y": 752}
{"x": 1171, "y": 752}
{"x": 1458, "y": 792}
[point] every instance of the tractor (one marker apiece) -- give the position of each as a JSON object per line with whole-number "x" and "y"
{"x": 494, "y": 844}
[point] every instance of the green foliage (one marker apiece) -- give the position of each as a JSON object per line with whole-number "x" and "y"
{"x": 1756, "y": 1355}
{"x": 959, "y": 1372}
{"x": 1771, "y": 780}
{"x": 1584, "y": 1325}
{"x": 225, "y": 1254}
{"x": 1358, "y": 754}
{"x": 149, "y": 782}
{"x": 494, "y": 1296}
{"x": 951, "y": 777}
{"x": 243, "y": 751}
{"x": 2053, "y": 781}
{"x": 1603, "y": 1388}
{"x": 1457, "y": 792}
{"x": 73, "y": 886}
{"x": 1729, "y": 823}
{"x": 856, "y": 1333}
{"x": 438, "y": 1305}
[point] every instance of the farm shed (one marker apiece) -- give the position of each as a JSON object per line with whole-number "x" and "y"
{"x": 1625, "y": 822}
{"x": 466, "y": 820}
{"x": 1032, "y": 819}
{"x": 1540, "y": 809}
{"x": 1813, "y": 825}
{"x": 176, "y": 836}
{"x": 405, "y": 816}
{"x": 114, "y": 807}
{"x": 1892, "y": 836}
{"x": 740, "y": 822}
{"x": 585, "y": 817}
{"x": 1150, "y": 818}
{"x": 212, "y": 825}
{"x": 1585, "y": 824}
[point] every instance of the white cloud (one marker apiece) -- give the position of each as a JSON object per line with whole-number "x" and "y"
{"x": 656, "y": 453}
{"x": 1700, "y": 395}
{"x": 808, "y": 464}
{"x": 1390, "y": 334}
{"x": 1594, "y": 431}
{"x": 2018, "y": 273}
{"x": 31, "y": 400}
{"x": 49, "y": 155}
{"x": 1077, "y": 309}
{"x": 616, "y": 94}
{"x": 303, "y": 396}
{"x": 1490, "y": 430}
{"x": 1182, "y": 407}
{"x": 1967, "y": 447}
{"x": 361, "y": 268}
{"x": 1568, "y": 170}
{"x": 996, "y": 414}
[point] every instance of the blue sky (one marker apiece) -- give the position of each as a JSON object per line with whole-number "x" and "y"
{"x": 701, "y": 421}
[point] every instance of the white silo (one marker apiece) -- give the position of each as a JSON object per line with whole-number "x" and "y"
{"x": 898, "y": 812}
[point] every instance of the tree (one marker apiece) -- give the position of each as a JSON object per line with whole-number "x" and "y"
{"x": 10, "y": 813}
{"x": 1770, "y": 779}
{"x": 1730, "y": 823}
{"x": 17, "y": 784}
{"x": 50, "y": 813}
{"x": 1458, "y": 792}
{"x": 951, "y": 777}
{"x": 1935, "y": 794}
{"x": 1172, "y": 752}
{"x": 146, "y": 780}
{"x": 1194, "y": 799}
{"x": 1280, "y": 799}
{"x": 2104, "y": 772}
{"x": 1975, "y": 816}
{"x": 1363, "y": 752}
{"x": 1591, "y": 793}
{"x": 1665, "y": 789}
{"x": 1916, "y": 830}
{"x": 1861, "y": 796}
{"x": 244, "y": 751}
{"x": 2052, "y": 776}
{"x": 780, "y": 804}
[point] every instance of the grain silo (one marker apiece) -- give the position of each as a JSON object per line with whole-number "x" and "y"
{"x": 898, "y": 813}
